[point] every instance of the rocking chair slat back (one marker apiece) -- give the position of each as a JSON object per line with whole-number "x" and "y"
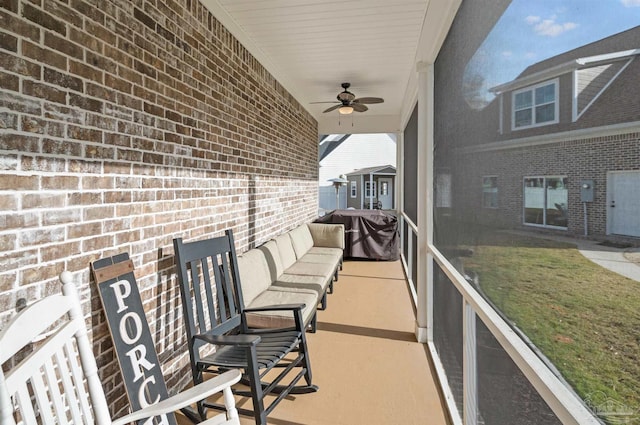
{"x": 208, "y": 286}
{"x": 49, "y": 384}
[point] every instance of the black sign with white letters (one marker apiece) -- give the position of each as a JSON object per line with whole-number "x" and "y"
{"x": 134, "y": 346}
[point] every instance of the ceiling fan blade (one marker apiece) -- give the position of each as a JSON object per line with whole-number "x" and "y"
{"x": 358, "y": 107}
{"x": 369, "y": 100}
{"x": 332, "y": 101}
{"x": 333, "y": 108}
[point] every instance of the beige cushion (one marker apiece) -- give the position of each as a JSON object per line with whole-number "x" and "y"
{"x": 301, "y": 240}
{"x": 318, "y": 284}
{"x": 254, "y": 274}
{"x": 270, "y": 251}
{"x": 318, "y": 258}
{"x": 327, "y": 235}
{"x": 312, "y": 269}
{"x": 285, "y": 248}
{"x": 282, "y": 319}
{"x": 333, "y": 252}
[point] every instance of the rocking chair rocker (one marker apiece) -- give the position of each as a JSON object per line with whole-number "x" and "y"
{"x": 214, "y": 315}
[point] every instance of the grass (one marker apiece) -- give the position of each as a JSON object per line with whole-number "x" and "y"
{"x": 584, "y": 318}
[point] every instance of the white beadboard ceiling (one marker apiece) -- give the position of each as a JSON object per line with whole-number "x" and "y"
{"x": 312, "y": 46}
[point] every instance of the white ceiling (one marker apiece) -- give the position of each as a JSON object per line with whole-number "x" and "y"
{"x": 312, "y": 46}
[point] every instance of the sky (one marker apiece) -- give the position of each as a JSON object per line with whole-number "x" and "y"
{"x": 530, "y": 31}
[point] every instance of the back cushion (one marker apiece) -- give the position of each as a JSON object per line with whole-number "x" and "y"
{"x": 254, "y": 274}
{"x": 271, "y": 254}
{"x": 285, "y": 248}
{"x": 301, "y": 239}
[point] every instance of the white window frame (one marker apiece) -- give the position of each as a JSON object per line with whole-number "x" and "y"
{"x": 367, "y": 191}
{"x": 354, "y": 189}
{"x": 544, "y": 185}
{"x": 556, "y": 85}
{"x": 484, "y": 191}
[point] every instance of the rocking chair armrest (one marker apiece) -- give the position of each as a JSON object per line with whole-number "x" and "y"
{"x": 241, "y": 340}
{"x": 280, "y": 307}
{"x": 183, "y": 399}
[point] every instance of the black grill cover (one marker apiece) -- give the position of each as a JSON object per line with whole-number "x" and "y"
{"x": 371, "y": 234}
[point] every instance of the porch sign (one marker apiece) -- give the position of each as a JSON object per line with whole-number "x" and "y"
{"x": 134, "y": 346}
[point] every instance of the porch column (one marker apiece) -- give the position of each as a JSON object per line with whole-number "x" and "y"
{"x": 370, "y": 191}
{"x": 398, "y": 200}
{"x": 424, "y": 316}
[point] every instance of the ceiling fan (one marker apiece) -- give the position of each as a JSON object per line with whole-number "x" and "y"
{"x": 347, "y": 102}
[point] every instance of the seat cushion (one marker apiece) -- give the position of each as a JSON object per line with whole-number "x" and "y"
{"x": 277, "y": 297}
{"x": 319, "y": 259}
{"x": 301, "y": 240}
{"x": 255, "y": 277}
{"x": 312, "y": 269}
{"x": 334, "y": 252}
{"x": 317, "y": 284}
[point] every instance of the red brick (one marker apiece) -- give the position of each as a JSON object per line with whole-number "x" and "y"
{"x": 43, "y": 19}
{"x": 60, "y": 182}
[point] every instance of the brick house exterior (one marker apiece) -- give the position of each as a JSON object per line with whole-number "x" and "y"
{"x": 124, "y": 124}
{"x": 593, "y": 134}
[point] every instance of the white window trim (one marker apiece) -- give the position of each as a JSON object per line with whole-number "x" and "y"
{"x": 545, "y": 226}
{"x": 369, "y": 194}
{"x": 556, "y": 83}
{"x": 354, "y": 189}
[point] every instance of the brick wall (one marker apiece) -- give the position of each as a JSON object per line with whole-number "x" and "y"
{"x": 124, "y": 124}
{"x": 577, "y": 159}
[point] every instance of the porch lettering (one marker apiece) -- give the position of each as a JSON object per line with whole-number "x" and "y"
{"x": 138, "y": 358}
{"x": 124, "y": 329}
{"x": 122, "y": 290}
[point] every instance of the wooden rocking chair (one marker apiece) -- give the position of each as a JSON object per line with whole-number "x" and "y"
{"x": 55, "y": 381}
{"x": 214, "y": 315}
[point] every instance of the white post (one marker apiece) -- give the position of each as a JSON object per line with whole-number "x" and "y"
{"x": 370, "y": 191}
{"x": 469, "y": 368}
{"x": 424, "y": 319}
{"x": 399, "y": 186}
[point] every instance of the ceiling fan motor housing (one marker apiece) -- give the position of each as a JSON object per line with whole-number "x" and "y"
{"x": 346, "y": 96}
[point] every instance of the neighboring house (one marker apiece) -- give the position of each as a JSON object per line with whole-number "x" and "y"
{"x": 561, "y": 146}
{"x": 372, "y": 188}
{"x": 341, "y": 154}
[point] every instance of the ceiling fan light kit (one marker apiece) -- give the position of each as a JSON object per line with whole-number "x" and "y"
{"x": 347, "y": 102}
{"x": 345, "y": 110}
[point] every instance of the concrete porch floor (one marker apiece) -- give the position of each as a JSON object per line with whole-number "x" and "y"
{"x": 365, "y": 358}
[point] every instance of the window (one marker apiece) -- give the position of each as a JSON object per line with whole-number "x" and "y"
{"x": 490, "y": 192}
{"x": 535, "y": 106}
{"x": 545, "y": 201}
{"x": 354, "y": 189}
{"x": 443, "y": 190}
{"x": 384, "y": 188}
{"x": 367, "y": 189}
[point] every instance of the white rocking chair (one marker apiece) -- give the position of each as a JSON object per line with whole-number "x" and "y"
{"x": 56, "y": 383}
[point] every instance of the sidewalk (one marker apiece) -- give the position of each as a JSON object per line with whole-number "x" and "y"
{"x": 610, "y": 258}
{"x": 605, "y": 256}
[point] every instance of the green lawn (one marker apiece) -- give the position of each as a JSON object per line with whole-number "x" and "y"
{"x": 584, "y": 318}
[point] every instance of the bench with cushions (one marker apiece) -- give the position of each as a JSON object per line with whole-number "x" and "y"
{"x": 297, "y": 267}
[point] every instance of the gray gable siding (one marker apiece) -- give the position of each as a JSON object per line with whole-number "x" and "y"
{"x": 591, "y": 81}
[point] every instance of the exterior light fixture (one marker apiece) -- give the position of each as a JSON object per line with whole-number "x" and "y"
{"x": 345, "y": 110}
